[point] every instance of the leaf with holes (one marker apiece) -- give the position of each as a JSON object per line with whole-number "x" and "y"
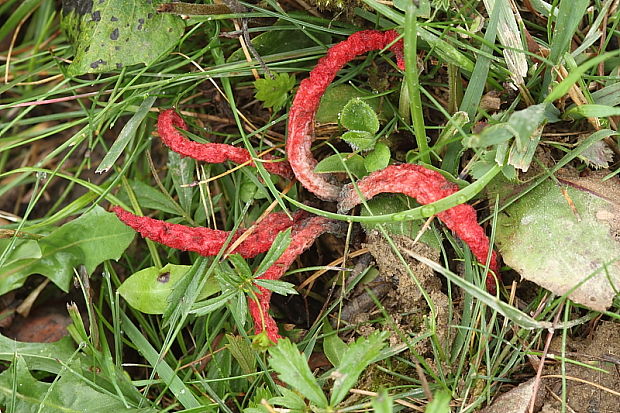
{"x": 148, "y": 290}
{"x": 109, "y": 35}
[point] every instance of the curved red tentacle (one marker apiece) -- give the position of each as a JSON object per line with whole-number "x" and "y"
{"x": 426, "y": 186}
{"x": 306, "y": 103}
{"x": 207, "y": 241}
{"x": 303, "y": 236}
{"x": 167, "y": 125}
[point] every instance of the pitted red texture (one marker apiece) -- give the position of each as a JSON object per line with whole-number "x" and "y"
{"x": 206, "y": 241}
{"x": 426, "y": 186}
{"x": 167, "y": 125}
{"x": 304, "y": 234}
{"x": 416, "y": 181}
{"x": 308, "y": 97}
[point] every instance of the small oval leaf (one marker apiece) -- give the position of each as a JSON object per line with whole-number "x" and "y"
{"x": 359, "y": 140}
{"x": 358, "y": 115}
{"x": 336, "y": 163}
{"x": 377, "y": 159}
{"x": 148, "y": 290}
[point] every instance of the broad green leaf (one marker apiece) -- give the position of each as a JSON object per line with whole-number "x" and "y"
{"x": 521, "y": 124}
{"x": 491, "y": 135}
{"x": 525, "y": 122}
{"x": 336, "y": 163}
{"x": 127, "y": 133}
{"x": 110, "y": 35}
{"x": 292, "y": 368}
{"x": 358, "y": 115}
{"x": 592, "y": 111}
{"x": 89, "y": 240}
{"x": 273, "y": 92}
{"x": 22, "y": 249}
{"x": 353, "y": 362}
{"x": 359, "y": 140}
{"x": 39, "y": 356}
{"x": 567, "y": 249}
{"x": 378, "y": 158}
{"x": 336, "y": 97}
{"x": 333, "y": 347}
{"x": 149, "y": 197}
{"x": 521, "y": 158}
{"x": 149, "y": 290}
{"x": 525, "y": 125}
{"x": 68, "y": 394}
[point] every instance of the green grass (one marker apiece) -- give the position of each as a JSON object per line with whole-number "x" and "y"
{"x": 56, "y": 131}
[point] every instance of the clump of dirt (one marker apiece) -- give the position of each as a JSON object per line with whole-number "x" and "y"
{"x": 404, "y": 301}
{"x": 589, "y": 390}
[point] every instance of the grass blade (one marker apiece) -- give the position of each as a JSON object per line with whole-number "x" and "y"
{"x": 127, "y": 133}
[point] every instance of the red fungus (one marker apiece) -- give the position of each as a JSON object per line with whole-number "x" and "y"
{"x": 206, "y": 241}
{"x": 426, "y": 186}
{"x": 303, "y": 236}
{"x": 167, "y": 125}
{"x": 416, "y": 181}
{"x": 308, "y": 97}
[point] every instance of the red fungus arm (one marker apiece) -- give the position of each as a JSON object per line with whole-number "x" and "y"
{"x": 304, "y": 234}
{"x": 306, "y": 103}
{"x": 167, "y": 125}
{"x": 426, "y": 186}
{"x": 206, "y": 241}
